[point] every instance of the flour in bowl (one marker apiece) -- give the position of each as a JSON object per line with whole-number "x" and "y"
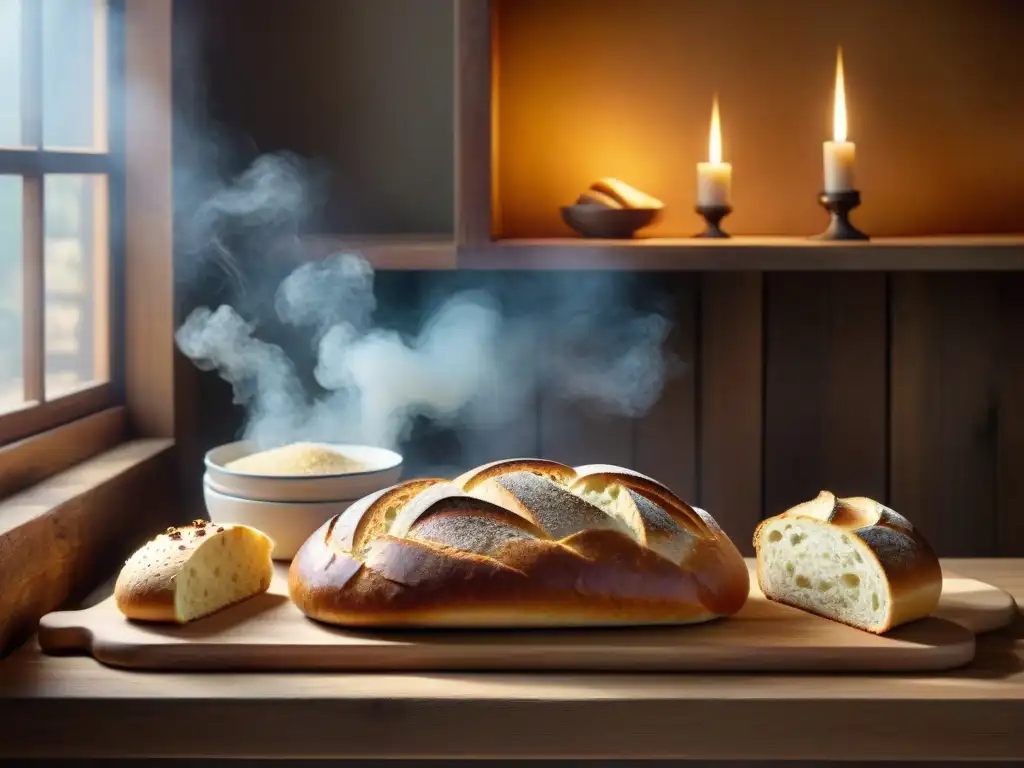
{"x": 297, "y": 459}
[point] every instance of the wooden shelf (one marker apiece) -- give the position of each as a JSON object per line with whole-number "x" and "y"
{"x": 989, "y": 253}
{"x": 388, "y": 252}
{"x": 763, "y": 254}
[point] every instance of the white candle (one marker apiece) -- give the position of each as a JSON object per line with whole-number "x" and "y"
{"x": 714, "y": 178}
{"x": 839, "y": 154}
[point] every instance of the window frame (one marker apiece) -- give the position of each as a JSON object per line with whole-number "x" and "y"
{"x": 32, "y": 163}
{"x": 110, "y": 478}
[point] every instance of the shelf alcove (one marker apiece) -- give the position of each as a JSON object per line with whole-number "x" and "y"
{"x": 580, "y": 89}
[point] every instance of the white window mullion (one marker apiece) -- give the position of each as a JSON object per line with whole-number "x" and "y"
{"x": 34, "y": 287}
{"x": 32, "y": 73}
{"x": 33, "y": 262}
{"x": 100, "y": 69}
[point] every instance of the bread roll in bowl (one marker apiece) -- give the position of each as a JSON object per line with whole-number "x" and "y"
{"x": 520, "y": 543}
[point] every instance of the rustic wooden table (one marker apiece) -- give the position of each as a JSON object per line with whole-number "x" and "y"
{"x": 62, "y": 707}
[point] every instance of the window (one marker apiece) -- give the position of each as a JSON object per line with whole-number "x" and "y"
{"x": 59, "y": 192}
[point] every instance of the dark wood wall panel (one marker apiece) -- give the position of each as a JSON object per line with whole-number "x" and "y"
{"x": 943, "y": 442}
{"x": 576, "y": 311}
{"x": 826, "y": 382}
{"x": 1010, "y": 434}
{"x": 666, "y": 436}
{"x": 516, "y": 437}
{"x": 575, "y": 434}
{"x": 661, "y": 442}
{"x": 362, "y": 87}
{"x": 473, "y": 74}
{"x": 730, "y": 402}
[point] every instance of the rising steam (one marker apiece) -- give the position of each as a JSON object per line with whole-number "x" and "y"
{"x": 476, "y": 361}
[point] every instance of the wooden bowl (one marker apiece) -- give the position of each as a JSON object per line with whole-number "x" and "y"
{"x": 610, "y": 223}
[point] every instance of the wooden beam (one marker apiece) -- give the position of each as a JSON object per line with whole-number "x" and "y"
{"x": 996, "y": 253}
{"x": 33, "y": 296}
{"x": 944, "y": 363}
{"x": 826, "y": 388}
{"x": 665, "y": 438}
{"x": 1010, "y": 420}
{"x": 473, "y": 123}
{"x": 148, "y": 318}
{"x": 731, "y": 409}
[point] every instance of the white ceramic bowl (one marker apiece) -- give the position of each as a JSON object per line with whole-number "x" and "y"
{"x": 384, "y": 468}
{"x": 288, "y": 523}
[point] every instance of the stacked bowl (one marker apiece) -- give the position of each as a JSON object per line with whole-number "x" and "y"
{"x": 290, "y": 507}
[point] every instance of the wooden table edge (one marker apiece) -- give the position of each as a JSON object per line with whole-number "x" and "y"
{"x": 971, "y": 714}
{"x": 716, "y": 729}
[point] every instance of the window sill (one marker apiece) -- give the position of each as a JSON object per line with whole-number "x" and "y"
{"x": 61, "y": 536}
{"x": 34, "y": 459}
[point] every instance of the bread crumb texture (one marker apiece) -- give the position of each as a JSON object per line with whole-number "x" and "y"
{"x": 852, "y": 560}
{"x": 824, "y": 569}
{"x": 193, "y": 571}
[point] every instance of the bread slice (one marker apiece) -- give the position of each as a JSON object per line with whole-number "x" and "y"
{"x": 192, "y": 571}
{"x": 851, "y": 560}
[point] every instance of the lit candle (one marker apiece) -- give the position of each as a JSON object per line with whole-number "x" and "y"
{"x": 839, "y": 153}
{"x": 714, "y": 178}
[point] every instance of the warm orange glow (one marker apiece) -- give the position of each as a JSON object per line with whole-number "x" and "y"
{"x": 715, "y": 140}
{"x": 839, "y": 108}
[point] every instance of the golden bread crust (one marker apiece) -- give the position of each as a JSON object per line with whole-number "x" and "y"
{"x": 511, "y": 544}
{"x": 553, "y": 470}
{"x": 144, "y": 589}
{"x": 370, "y": 516}
{"x": 596, "y": 474}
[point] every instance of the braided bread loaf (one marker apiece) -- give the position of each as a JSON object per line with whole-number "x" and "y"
{"x": 520, "y": 543}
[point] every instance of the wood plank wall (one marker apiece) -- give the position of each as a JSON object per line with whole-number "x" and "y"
{"x": 903, "y": 387}
{"x": 906, "y": 388}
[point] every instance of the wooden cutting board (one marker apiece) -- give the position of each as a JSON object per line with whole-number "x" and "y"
{"x": 269, "y": 633}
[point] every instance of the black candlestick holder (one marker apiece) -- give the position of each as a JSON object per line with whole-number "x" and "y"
{"x": 713, "y": 215}
{"x": 839, "y": 205}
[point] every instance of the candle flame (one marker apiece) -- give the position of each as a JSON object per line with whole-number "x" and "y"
{"x": 839, "y": 107}
{"x": 715, "y": 139}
